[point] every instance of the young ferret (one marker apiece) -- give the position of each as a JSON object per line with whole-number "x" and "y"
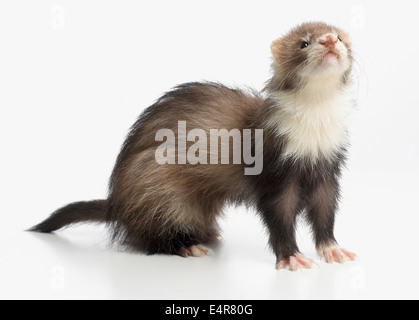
{"x": 161, "y": 205}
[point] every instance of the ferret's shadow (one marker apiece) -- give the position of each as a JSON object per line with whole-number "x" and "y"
{"x": 158, "y": 276}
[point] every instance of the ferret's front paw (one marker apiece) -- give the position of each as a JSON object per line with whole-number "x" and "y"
{"x": 336, "y": 254}
{"x": 296, "y": 262}
{"x": 194, "y": 251}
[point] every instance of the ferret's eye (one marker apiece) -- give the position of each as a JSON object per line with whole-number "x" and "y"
{"x": 340, "y": 39}
{"x": 304, "y": 44}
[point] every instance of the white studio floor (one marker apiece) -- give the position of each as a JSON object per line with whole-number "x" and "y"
{"x": 77, "y": 263}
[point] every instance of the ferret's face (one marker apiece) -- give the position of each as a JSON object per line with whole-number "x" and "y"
{"x": 312, "y": 50}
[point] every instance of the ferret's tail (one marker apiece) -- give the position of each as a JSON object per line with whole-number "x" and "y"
{"x": 90, "y": 211}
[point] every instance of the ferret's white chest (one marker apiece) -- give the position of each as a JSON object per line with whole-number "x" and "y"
{"x": 313, "y": 123}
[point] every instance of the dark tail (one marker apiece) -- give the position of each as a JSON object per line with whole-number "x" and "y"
{"x": 90, "y": 211}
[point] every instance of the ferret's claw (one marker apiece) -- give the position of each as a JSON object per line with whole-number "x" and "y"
{"x": 334, "y": 253}
{"x": 194, "y": 251}
{"x": 296, "y": 262}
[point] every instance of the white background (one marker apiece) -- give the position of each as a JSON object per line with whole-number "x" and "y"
{"x": 74, "y": 76}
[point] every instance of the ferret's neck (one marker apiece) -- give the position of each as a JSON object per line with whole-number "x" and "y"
{"x": 312, "y": 119}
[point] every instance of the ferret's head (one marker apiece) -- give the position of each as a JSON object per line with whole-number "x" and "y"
{"x": 311, "y": 51}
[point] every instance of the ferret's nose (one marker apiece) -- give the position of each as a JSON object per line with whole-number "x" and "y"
{"x": 330, "y": 41}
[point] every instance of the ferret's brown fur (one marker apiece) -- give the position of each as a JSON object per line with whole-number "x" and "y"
{"x": 161, "y": 202}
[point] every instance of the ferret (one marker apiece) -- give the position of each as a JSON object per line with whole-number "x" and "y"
{"x": 161, "y": 207}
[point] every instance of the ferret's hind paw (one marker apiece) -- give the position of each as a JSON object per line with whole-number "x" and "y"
{"x": 336, "y": 254}
{"x": 194, "y": 251}
{"x": 295, "y": 263}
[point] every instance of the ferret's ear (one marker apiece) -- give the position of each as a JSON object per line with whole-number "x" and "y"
{"x": 276, "y": 48}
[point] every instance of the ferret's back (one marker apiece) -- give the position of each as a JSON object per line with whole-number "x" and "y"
{"x": 202, "y": 106}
